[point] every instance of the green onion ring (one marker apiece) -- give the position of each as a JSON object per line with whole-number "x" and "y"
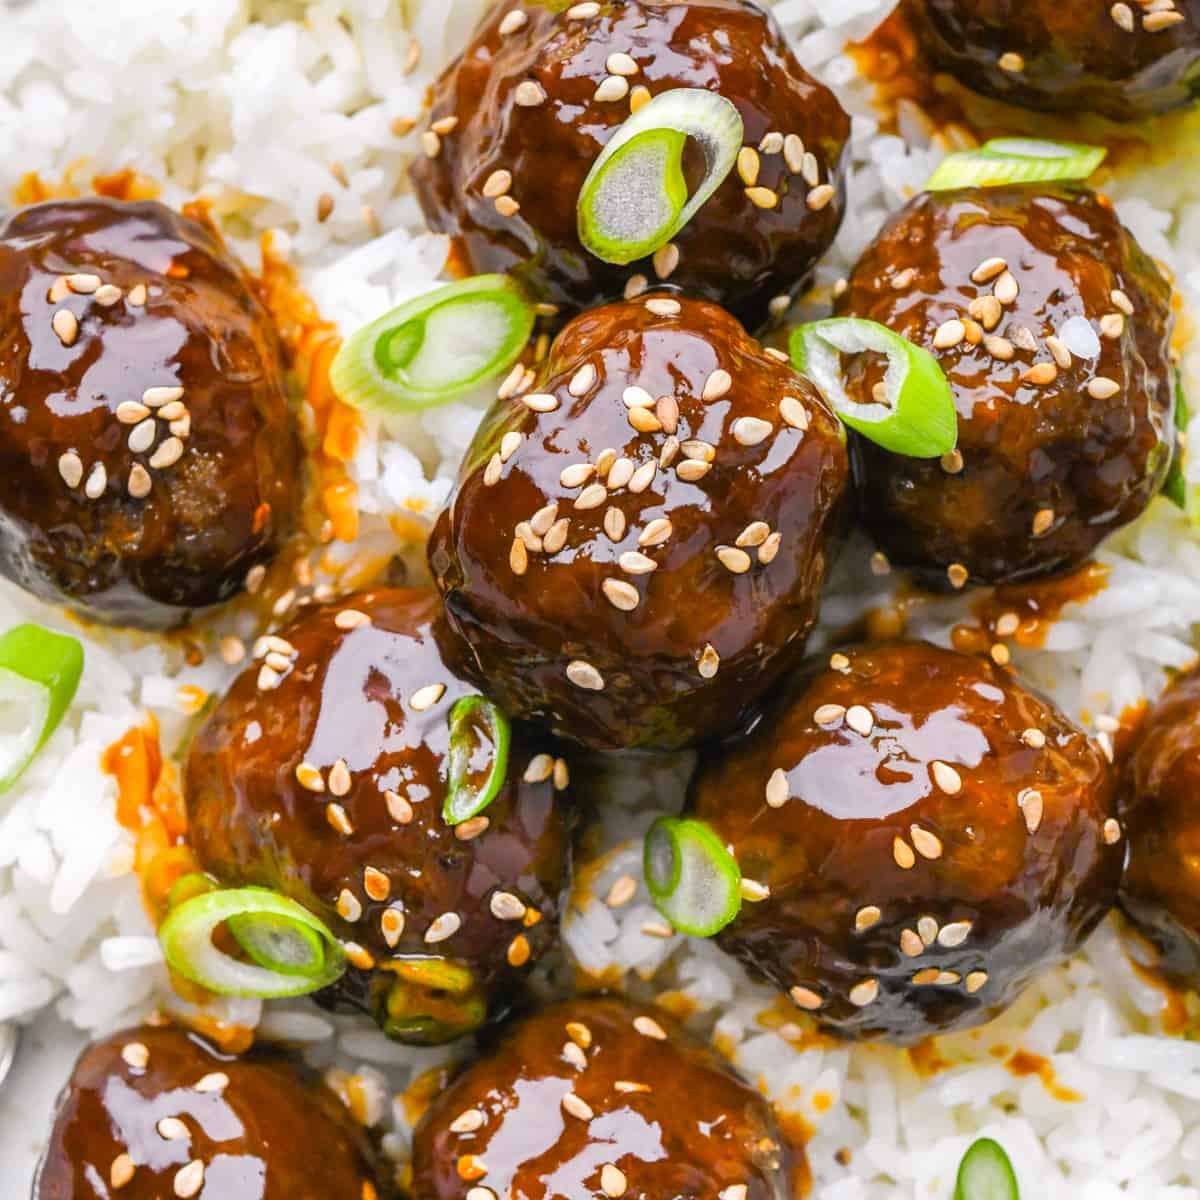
{"x": 693, "y": 879}
{"x": 39, "y": 675}
{"x": 475, "y": 724}
{"x": 1016, "y": 160}
{"x": 986, "y": 1173}
{"x": 918, "y": 420}
{"x": 293, "y": 952}
{"x": 635, "y": 199}
{"x": 436, "y": 347}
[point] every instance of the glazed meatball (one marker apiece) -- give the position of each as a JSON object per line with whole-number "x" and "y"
{"x": 635, "y": 550}
{"x": 1159, "y": 892}
{"x": 535, "y": 97}
{"x": 323, "y": 773}
{"x": 930, "y": 835}
{"x": 1124, "y": 60}
{"x": 600, "y": 1098}
{"x": 147, "y": 455}
{"x": 158, "y": 1112}
{"x": 1053, "y": 329}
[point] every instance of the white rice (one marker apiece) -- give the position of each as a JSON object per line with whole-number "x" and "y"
{"x": 252, "y": 103}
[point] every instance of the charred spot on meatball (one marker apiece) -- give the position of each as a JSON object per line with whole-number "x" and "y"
{"x": 925, "y": 834}
{"x": 323, "y": 774}
{"x": 1053, "y": 328}
{"x": 147, "y": 455}
{"x": 602, "y": 1097}
{"x": 158, "y": 1112}
{"x": 635, "y": 549}
{"x": 1158, "y": 809}
{"x": 1123, "y": 60}
{"x": 517, "y": 121}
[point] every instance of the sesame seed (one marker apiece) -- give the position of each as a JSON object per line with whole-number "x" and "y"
{"x": 169, "y": 452}
{"x": 988, "y": 270}
{"x": 540, "y": 768}
{"x": 1121, "y": 301}
{"x": 866, "y": 917}
{"x": 621, "y": 595}
{"x": 1011, "y": 62}
{"x": 954, "y": 934}
{"x": 556, "y": 535}
{"x": 1102, "y": 388}
{"x": 121, "y": 1171}
{"x": 639, "y": 98}
{"x": 189, "y": 1180}
{"x": 1060, "y": 351}
{"x": 860, "y": 719}
{"x": 810, "y": 169}
{"x": 443, "y": 927}
{"x": 391, "y": 925}
{"x": 748, "y": 165}
{"x": 947, "y": 978}
{"x": 505, "y": 906}
{"x": 839, "y": 662}
{"x": 612, "y": 1181}
{"x": 862, "y": 994}
{"x": 519, "y": 951}
{"x": 478, "y": 1193}
{"x": 70, "y": 467}
{"x": 309, "y": 778}
{"x": 754, "y": 534}
{"x": 643, "y": 477}
{"x": 737, "y": 561}
{"x": 716, "y": 385}
{"x": 649, "y": 1027}
{"x": 635, "y": 286}
{"x": 136, "y": 1055}
{"x": 958, "y": 575}
{"x": 349, "y": 906}
{"x": 656, "y": 532}
{"x": 467, "y": 1121}
{"x": 540, "y": 402}
{"x": 529, "y": 94}
{"x": 976, "y": 980}
{"x": 949, "y": 334}
{"x": 614, "y": 525}
{"x": 829, "y": 714}
{"x": 793, "y": 412}
{"x": 928, "y": 845}
{"x": 509, "y": 444}
{"x": 575, "y": 1106}
{"x": 880, "y": 563}
{"x": 66, "y": 326}
{"x": 777, "y": 792}
{"x": 621, "y": 63}
{"x": 1112, "y": 325}
{"x": 215, "y": 1081}
{"x": 469, "y": 830}
{"x": 772, "y": 142}
{"x": 710, "y": 662}
{"x": 1122, "y": 16}
{"x": 622, "y": 891}
{"x": 137, "y": 295}
{"x": 512, "y": 22}
{"x": 696, "y": 449}
{"x": 762, "y": 197}
{"x": 575, "y": 1056}
{"x": 1031, "y": 805}
{"x": 584, "y": 675}
{"x": 805, "y": 998}
{"x": 613, "y": 88}
{"x": 431, "y": 144}
{"x": 634, "y": 563}
{"x": 582, "y": 381}
{"x": 139, "y": 481}
{"x": 1000, "y": 348}
{"x": 1041, "y": 374}
{"x": 662, "y": 306}
{"x": 927, "y": 976}
{"x": 1034, "y": 738}
{"x": 1043, "y": 521}
{"x": 820, "y": 197}
{"x": 471, "y": 1167}
{"x": 952, "y": 462}
{"x": 576, "y": 475}
{"x": 592, "y": 496}
{"x": 427, "y": 696}
{"x": 754, "y": 891}
{"x": 506, "y": 206}
{"x": 1156, "y": 22}
{"x": 750, "y": 431}
{"x": 1112, "y": 831}
{"x": 338, "y": 819}
{"x": 927, "y": 927}
{"x": 903, "y": 854}
{"x": 793, "y": 153}
{"x": 399, "y": 809}
{"x": 268, "y": 679}
{"x": 692, "y": 470}
{"x": 351, "y": 618}
{"x": 543, "y": 520}
{"x": 910, "y": 944}
{"x": 904, "y": 279}
{"x": 644, "y": 421}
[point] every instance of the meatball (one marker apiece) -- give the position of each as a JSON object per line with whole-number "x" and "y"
{"x": 1053, "y": 328}
{"x": 1159, "y": 892}
{"x": 1125, "y": 60}
{"x": 927, "y": 833}
{"x": 527, "y": 108}
{"x": 322, "y": 774}
{"x": 635, "y": 550}
{"x": 597, "y": 1097}
{"x": 147, "y": 455}
{"x": 158, "y": 1112}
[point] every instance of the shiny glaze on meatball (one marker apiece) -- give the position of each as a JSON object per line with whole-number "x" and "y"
{"x": 323, "y": 773}
{"x": 527, "y": 108}
{"x": 1053, "y": 328}
{"x": 1159, "y": 790}
{"x": 635, "y": 549}
{"x": 155, "y": 1112}
{"x": 147, "y": 456}
{"x": 1124, "y": 60}
{"x": 931, "y": 835}
{"x": 601, "y": 1098}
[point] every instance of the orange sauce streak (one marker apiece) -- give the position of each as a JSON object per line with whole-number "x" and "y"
{"x": 798, "y": 1133}
{"x": 1023, "y": 1064}
{"x": 926, "y": 1058}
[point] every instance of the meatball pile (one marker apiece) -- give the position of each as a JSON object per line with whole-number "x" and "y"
{"x": 518, "y": 119}
{"x": 147, "y": 456}
{"x": 636, "y": 546}
{"x": 322, "y": 774}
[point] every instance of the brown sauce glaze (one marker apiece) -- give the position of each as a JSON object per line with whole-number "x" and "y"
{"x": 322, "y": 774}
{"x": 931, "y": 835}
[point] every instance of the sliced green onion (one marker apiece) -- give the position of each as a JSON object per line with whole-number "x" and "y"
{"x": 635, "y": 198}
{"x": 918, "y": 418}
{"x": 1016, "y": 160}
{"x": 693, "y": 879}
{"x": 432, "y": 1001}
{"x": 986, "y": 1174}
{"x": 1175, "y": 486}
{"x": 293, "y": 952}
{"x": 478, "y": 763}
{"x": 436, "y": 347}
{"x": 187, "y": 887}
{"x": 39, "y": 674}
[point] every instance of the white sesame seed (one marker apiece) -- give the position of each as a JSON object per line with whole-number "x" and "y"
{"x": 349, "y": 906}
{"x": 762, "y": 197}
{"x": 656, "y": 532}
{"x": 540, "y": 402}
{"x": 1102, "y": 388}
{"x": 1006, "y": 289}
{"x": 612, "y": 1181}
{"x": 121, "y": 1171}
{"x": 505, "y": 906}
{"x": 777, "y": 792}
{"x": 754, "y": 891}
{"x": 866, "y": 917}
{"x": 692, "y": 470}
{"x": 611, "y": 89}
{"x": 829, "y": 714}
{"x": 577, "y": 1107}
{"x": 340, "y": 780}
{"x": 70, "y": 468}
{"x": 309, "y": 778}
{"x": 584, "y": 675}
{"x": 988, "y": 270}
{"x": 820, "y": 197}
{"x": 576, "y": 475}
{"x": 634, "y": 563}
{"x": 427, "y": 696}
{"x": 1011, "y": 62}
{"x": 903, "y": 854}
{"x": 949, "y": 334}
{"x": 467, "y": 1121}
{"x": 351, "y": 618}
{"x": 946, "y": 777}
{"x": 169, "y": 452}
{"x": 805, "y": 998}
{"x": 97, "y": 483}
{"x": 733, "y": 559}
{"x": 156, "y": 397}
{"x": 927, "y": 927}
{"x": 710, "y": 662}
{"x": 910, "y": 944}
{"x": 954, "y": 934}
{"x": 556, "y": 535}
{"x": 66, "y": 326}
{"x": 582, "y": 381}
{"x": 716, "y": 385}
{"x": 529, "y": 94}
{"x": 662, "y": 306}
{"x": 215, "y": 1081}
{"x": 1032, "y": 807}
{"x": 750, "y": 431}
{"x": 622, "y": 891}
{"x": 864, "y": 993}
{"x": 794, "y": 154}
{"x": 621, "y": 64}
{"x": 445, "y": 926}
{"x": 189, "y": 1180}
{"x": 1112, "y": 831}
{"x": 136, "y": 1055}
{"x": 793, "y": 412}
{"x": 975, "y": 980}
{"x": 107, "y": 295}
{"x": 621, "y": 595}
{"x": 860, "y": 719}
{"x": 592, "y": 496}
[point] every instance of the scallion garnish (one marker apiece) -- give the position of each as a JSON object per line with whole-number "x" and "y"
{"x": 436, "y": 347}
{"x": 916, "y": 417}
{"x": 635, "y": 198}
{"x": 1016, "y": 160}
{"x": 1175, "y": 486}
{"x": 39, "y": 674}
{"x": 292, "y": 951}
{"x": 478, "y": 760}
{"x": 693, "y": 879}
{"x": 986, "y": 1173}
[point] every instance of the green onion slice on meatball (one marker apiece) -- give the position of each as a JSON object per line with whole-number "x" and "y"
{"x": 292, "y": 952}
{"x": 986, "y": 1173}
{"x": 478, "y": 763}
{"x": 693, "y": 879}
{"x": 39, "y": 674}
{"x": 1016, "y": 160}
{"x": 436, "y": 347}
{"x": 635, "y": 198}
{"x": 916, "y": 418}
